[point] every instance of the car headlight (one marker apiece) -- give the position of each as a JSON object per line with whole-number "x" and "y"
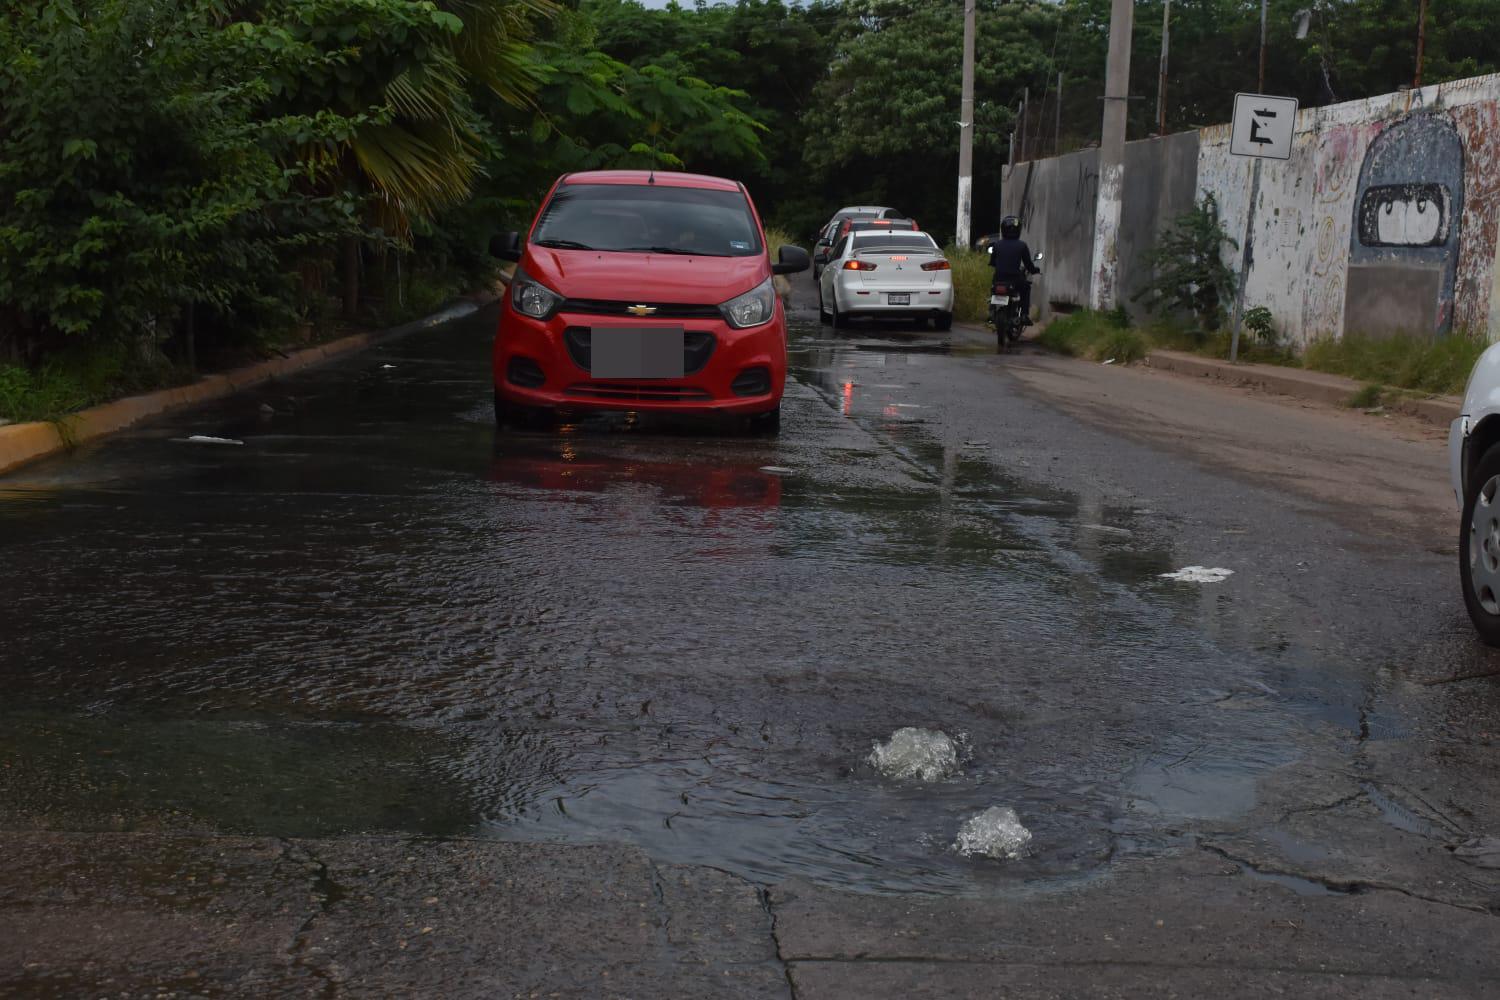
{"x": 532, "y": 298}
{"x": 755, "y": 307}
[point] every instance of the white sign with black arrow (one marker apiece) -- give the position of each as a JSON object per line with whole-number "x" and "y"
{"x": 1263, "y": 126}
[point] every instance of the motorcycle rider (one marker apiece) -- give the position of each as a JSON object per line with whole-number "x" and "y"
{"x": 1011, "y": 259}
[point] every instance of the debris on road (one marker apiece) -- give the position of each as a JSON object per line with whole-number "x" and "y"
{"x": 924, "y": 754}
{"x": 1199, "y": 574}
{"x": 1481, "y": 852}
{"x": 779, "y": 470}
{"x": 207, "y": 439}
{"x": 1107, "y": 529}
{"x": 1109, "y": 362}
{"x": 995, "y": 833}
{"x": 267, "y": 409}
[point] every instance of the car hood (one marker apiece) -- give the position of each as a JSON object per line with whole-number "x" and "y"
{"x": 645, "y": 277}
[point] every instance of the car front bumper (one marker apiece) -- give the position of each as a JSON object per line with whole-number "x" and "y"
{"x": 568, "y": 385}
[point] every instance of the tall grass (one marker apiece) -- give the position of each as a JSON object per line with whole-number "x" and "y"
{"x": 1440, "y": 365}
{"x": 1096, "y": 335}
{"x": 78, "y": 378}
{"x": 972, "y": 278}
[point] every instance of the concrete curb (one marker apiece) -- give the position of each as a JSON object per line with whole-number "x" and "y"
{"x": 1333, "y": 390}
{"x": 21, "y": 444}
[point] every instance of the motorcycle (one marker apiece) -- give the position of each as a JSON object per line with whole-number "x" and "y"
{"x": 1005, "y": 310}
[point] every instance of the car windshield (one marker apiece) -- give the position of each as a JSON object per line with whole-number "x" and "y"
{"x": 917, "y": 242}
{"x": 648, "y": 218}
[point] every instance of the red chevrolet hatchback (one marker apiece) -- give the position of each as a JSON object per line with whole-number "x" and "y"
{"x": 646, "y": 291}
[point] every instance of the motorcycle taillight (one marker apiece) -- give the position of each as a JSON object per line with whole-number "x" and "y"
{"x": 1001, "y": 290}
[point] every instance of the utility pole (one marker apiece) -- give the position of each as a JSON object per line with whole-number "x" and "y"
{"x": 966, "y": 135}
{"x": 1057, "y": 126}
{"x": 1260, "y": 87}
{"x": 1161, "y": 80}
{"x": 1105, "y": 268}
{"x": 1421, "y": 41}
{"x": 1025, "y": 121}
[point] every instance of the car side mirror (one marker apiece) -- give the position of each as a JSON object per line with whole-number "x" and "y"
{"x": 790, "y": 260}
{"x": 506, "y": 246}
{"x": 1038, "y": 256}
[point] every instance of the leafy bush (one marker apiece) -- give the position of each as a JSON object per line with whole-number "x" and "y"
{"x": 1366, "y": 398}
{"x": 1190, "y": 275}
{"x": 1261, "y": 325}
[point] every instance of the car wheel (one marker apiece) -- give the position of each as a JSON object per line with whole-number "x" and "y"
{"x": 1479, "y": 548}
{"x": 840, "y": 319}
{"x": 942, "y": 321}
{"x": 768, "y": 423}
{"x": 824, "y": 316}
{"x": 524, "y": 417}
{"x": 502, "y": 410}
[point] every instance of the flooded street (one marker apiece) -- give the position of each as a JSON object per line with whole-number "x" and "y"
{"x": 380, "y": 617}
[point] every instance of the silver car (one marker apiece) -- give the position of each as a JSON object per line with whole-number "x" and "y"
{"x": 900, "y": 274}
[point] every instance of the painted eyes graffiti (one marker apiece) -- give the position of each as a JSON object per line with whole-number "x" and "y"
{"x": 1404, "y": 215}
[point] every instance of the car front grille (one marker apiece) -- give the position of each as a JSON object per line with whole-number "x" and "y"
{"x": 697, "y": 348}
{"x": 607, "y": 307}
{"x": 636, "y": 393}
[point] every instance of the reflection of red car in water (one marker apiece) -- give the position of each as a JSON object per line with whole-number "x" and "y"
{"x": 709, "y": 486}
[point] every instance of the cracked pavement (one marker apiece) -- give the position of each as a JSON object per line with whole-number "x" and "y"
{"x": 384, "y": 704}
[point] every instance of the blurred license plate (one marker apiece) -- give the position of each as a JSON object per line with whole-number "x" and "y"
{"x": 898, "y": 299}
{"x": 999, "y": 300}
{"x": 636, "y": 352}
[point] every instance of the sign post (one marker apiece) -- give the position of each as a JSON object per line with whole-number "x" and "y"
{"x": 1262, "y": 130}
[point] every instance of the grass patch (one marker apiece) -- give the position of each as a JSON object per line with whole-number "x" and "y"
{"x": 77, "y": 379}
{"x": 1096, "y": 335}
{"x": 1367, "y": 398}
{"x": 1441, "y": 365}
{"x": 972, "y": 279}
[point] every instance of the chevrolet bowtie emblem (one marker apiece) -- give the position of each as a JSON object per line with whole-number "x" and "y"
{"x": 641, "y": 310}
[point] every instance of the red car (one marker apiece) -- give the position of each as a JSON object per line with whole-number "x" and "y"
{"x": 645, "y": 291}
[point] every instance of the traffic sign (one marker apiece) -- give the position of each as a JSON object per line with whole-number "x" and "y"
{"x": 1263, "y": 126}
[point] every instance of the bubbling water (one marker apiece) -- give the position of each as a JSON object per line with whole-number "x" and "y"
{"x": 923, "y": 754}
{"x": 995, "y": 833}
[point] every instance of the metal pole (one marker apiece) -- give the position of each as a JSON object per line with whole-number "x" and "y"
{"x": 966, "y": 135}
{"x": 1161, "y": 81}
{"x": 1245, "y": 263}
{"x": 1025, "y": 119}
{"x": 1057, "y": 127}
{"x": 1421, "y": 41}
{"x": 1260, "y": 86}
{"x": 1106, "y": 259}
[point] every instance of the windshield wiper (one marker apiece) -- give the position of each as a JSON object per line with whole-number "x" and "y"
{"x": 562, "y": 244}
{"x": 676, "y": 250}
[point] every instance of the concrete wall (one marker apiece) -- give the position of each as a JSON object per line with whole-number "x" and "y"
{"x": 1057, "y": 209}
{"x": 1384, "y": 219}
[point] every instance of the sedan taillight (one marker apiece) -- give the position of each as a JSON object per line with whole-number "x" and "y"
{"x": 858, "y": 265}
{"x": 937, "y": 265}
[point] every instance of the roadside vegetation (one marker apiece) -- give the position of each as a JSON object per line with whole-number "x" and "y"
{"x": 292, "y": 168}
{"x": 972, "y": 278}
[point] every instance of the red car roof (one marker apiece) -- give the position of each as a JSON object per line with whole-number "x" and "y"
{"x": 666, "y": 178}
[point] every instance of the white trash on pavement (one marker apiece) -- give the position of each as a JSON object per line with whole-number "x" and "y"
{"x": 207, "y": 439}
{"x": 1199, "y": 574}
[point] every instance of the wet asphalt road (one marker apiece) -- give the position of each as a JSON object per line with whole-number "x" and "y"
{"x": 380, "y": 616}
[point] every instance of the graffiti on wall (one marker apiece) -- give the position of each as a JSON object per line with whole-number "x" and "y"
{"x": 1408, "y": 207}
{"x": 1473, "y": 292}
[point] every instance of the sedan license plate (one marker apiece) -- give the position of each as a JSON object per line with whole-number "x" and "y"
{"x": 898, "y": 298}
{"x": 636, "y": 352}
{"x": 999, "y": 300}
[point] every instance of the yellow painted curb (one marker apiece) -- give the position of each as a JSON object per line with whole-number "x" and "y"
{"x": 21, "y": 444}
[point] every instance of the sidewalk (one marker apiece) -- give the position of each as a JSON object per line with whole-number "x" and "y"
{"x": 1317, "y": 387}
{"x": 22, "y": 444}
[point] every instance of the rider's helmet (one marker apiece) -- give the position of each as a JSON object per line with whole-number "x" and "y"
{"x": 1010, "y": 227}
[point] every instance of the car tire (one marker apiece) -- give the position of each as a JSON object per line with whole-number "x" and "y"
{"x": 1479, "y": 547}
{"x": 767, "y": 423}
{"x": 942, "y": 321}
{"x": 502, "y": 410}
{"x": 521, "y": 417}
{"x": 840, "y": 319}
{"x": 824, "y": 316}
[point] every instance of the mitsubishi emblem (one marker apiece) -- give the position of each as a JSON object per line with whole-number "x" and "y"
{"x": 641, "y": 310}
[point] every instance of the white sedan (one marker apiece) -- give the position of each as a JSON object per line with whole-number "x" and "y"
{"x": 881, "y": 273}
{"x": 1474, "y": 461}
